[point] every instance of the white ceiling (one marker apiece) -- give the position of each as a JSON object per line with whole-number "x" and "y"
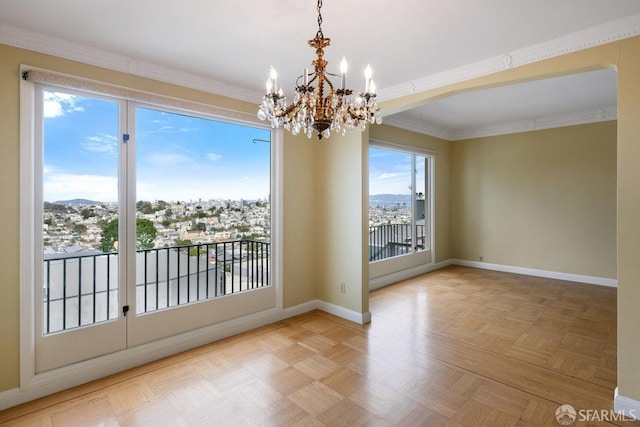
{"x": 227, "y": 46}
{"x": 560, "y": 101}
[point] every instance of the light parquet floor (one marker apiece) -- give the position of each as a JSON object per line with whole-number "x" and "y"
{"x": 455, "y": 347}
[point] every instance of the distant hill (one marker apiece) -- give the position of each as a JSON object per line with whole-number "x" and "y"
{"x": 389, "y": 199}
{"x": 75, "y": 202}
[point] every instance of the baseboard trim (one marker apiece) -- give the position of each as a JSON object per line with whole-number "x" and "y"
{"x": 330, "y": 308}
{"x": 601, "y": 281}
{"x": 345, "y": 313}
{"x": 296, "y": 310}
{"x": 389, "y": 279}
{"x": 630, "y": 408}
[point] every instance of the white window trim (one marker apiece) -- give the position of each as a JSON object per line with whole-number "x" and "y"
{"x": 403, "y": 148}
{"x": 431, "y": 193}
{"x": 52, "y": 78}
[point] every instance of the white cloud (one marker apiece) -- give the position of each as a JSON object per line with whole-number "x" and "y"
{"x": 387, "y": 175}
{"x": 57, "y": 104}
{"x": 214, "y": 157}
{"x": 47, "y": 169}
{"x": 65, "y": 186}
{"x": 103, "y": 143}
{"x": 168, "y": 160}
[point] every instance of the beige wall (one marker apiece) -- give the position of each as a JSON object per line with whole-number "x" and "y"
{"x": 624, "y": 56}
{"x": 341, "y": 221}
{"x": 299, "y": 218}
{"x": 543, "y": 199}
{"x": 628, "y": 214}
{"x": 10, "y": 243}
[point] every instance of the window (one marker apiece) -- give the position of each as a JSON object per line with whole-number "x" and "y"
{"x": 399, "y": 207}
{"x": 150, "y": 217}
{"x": 202, "y": 206}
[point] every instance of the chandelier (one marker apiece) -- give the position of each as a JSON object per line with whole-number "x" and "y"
{"x": 320, "y": 108}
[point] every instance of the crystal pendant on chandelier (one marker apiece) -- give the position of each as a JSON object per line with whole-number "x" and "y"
{"x": 317, "y": 105}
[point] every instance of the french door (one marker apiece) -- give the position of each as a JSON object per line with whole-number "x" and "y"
{"x": 135, "y": 243}
{"x": 79, "y": 293}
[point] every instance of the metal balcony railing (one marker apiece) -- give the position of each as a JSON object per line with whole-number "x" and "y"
{"x": 83, "y": 290}
{"x": 390, "y": 240}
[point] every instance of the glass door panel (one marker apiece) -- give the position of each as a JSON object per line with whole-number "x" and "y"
{"x": 202, "y": 210}
{"x": 80, "y": 277}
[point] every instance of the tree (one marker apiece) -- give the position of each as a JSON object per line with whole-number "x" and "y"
{"x": 144, "y": 207}
{"x": 180, "y": 242}
{"x": 198, "y": 226}
{"x": 197, "y": 251}
{"x": 109, "y": 236}
{"x": 79, "y": 228}
{"x": 146, "y": 232}
{"x": 87, "y": 213}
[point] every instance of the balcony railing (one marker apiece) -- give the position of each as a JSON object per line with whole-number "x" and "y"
{"x": 83, "y": 290}
{"x": 390, "y": 240}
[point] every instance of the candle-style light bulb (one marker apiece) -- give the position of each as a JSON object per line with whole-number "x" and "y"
{"x": 367, "y": 78}
{"x": 372, "y": 87}
{"x": 343, "y": 66}
{"x": 343, "y": 72}
{"x": 273, "y": 74}
{"x": 269, "y": 86}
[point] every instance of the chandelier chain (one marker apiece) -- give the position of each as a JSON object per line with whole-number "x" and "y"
{"x": 319, "y": 34}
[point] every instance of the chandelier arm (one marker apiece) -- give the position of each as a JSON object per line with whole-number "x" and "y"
{"x": 331, "y": 88}
{"x": 357, "y": 115}
{"x": 289, "y": 109}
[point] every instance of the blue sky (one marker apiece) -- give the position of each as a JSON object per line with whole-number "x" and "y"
{"x": 390, "y": 172}
{"x": 177, "y": 157}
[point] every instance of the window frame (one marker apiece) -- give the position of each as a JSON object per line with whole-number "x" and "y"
{"x": 413, "y": 258}
{"x": 31, "y": 183}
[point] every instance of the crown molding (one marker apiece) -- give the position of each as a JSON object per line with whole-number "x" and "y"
{"x": 406, "y": 123}
{"x": 595, "y": 36}
{"x": 29, "y": 40}
{"x": 548, "y": 122}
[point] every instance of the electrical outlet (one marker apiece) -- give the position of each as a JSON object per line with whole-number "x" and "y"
{"x": 481, "y": 258}
{"x": 343, "y": 288}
